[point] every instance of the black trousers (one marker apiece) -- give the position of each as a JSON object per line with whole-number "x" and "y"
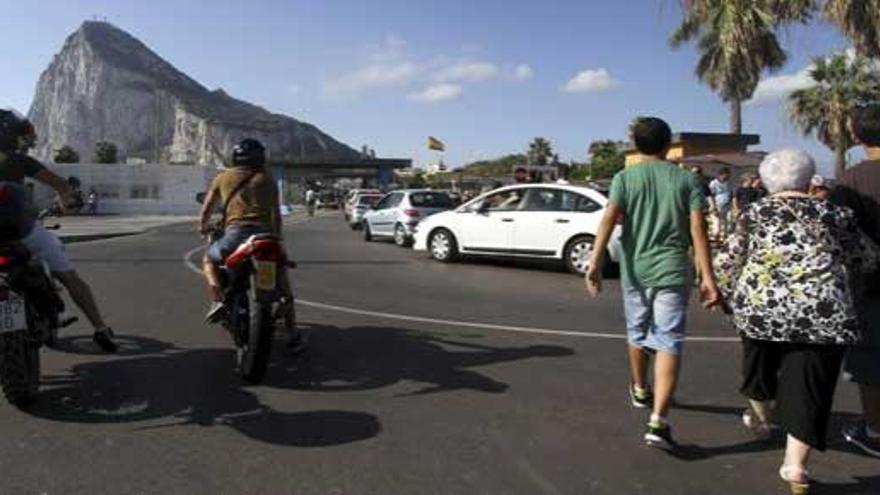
{"x": 801, "y": 378}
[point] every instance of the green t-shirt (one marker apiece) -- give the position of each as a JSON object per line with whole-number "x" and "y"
{"x": 14, "y": 167}
{"x": 657, "y": 199}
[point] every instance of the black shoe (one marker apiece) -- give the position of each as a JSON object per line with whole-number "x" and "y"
{"x": 659, "y": 437}
{"x": 857, "y": 434}
{"x": 640, "y": 399}
{"x": 104, "y": 339}
{"x": 216, "y": 313}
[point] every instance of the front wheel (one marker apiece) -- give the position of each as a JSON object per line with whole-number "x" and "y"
{"x": 253, "y": 355}
{"x": 443, "y": 246}
{"x": 19, "y": 367}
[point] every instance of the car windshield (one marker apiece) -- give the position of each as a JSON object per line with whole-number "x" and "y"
{"x": 369, "y": 200}
{"x": 431, "y": 200}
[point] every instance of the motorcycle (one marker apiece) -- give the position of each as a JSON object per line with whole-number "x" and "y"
{"x": 254, "y": 296}
{"x": 30, "y": 317}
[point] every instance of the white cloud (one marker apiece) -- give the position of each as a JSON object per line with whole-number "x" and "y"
{"x": 776, "y": 88}
{"x": 523, "y": 72}
{"x": 370, "y": 77}
{"x": 467, "y": 72}
{"x": 437, "y": 93}
{"x": 590, "y": 80}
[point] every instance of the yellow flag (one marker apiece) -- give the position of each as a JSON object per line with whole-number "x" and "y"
{"x": 435, "y": 144}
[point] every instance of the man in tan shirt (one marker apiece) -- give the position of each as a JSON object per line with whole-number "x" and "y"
{"x": 250, "y": 197}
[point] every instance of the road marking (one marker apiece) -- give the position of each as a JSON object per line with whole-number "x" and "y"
{"x": 187, "y": 260}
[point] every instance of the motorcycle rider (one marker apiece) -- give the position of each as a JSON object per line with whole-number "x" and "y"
{"x": 17, "y": 136}
{"x": 250, "y": 196}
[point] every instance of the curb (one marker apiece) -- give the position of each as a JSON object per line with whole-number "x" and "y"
{"x": 76, "y": 238}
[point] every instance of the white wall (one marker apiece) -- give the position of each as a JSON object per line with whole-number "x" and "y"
{"x": 146, "y": 189}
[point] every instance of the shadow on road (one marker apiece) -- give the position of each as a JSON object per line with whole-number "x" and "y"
{"x": 164, "y": 386}
{"x": 362, "y": 358}
{"x": 189, "y": 387}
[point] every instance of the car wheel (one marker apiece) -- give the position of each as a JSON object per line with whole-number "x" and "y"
{"x": 400, "y": 237}
{"x": 577, "y": 254}
{"x": 368, "y": 234}
{"x": 442, "y": 246}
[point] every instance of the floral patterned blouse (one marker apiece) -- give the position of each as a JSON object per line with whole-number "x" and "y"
{"x": 785, "y": 272}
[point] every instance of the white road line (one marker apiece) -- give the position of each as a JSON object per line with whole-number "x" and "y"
{"x": 187, "y": 259}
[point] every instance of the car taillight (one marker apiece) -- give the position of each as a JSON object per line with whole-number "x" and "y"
{"x": 412, "y": 212}
{"x": 5, "y": 260}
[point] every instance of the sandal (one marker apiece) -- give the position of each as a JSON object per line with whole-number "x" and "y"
{"x": 798, "y": 479}
{"x": 761, "y": 430}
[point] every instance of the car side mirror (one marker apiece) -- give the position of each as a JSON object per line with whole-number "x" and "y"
{"x": 483, "y": 208}
{"x": 200, "y": 198}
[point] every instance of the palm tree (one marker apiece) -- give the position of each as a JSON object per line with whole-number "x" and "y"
{"x": 860, "y": 22}
{"x": 540, "y": 151}
{"x": 840, "y": 84}
{"x": 736, "y": 40}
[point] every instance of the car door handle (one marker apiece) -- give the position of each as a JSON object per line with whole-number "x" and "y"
{"x": 562, "y": 220}
{"x": 506, "y": 219}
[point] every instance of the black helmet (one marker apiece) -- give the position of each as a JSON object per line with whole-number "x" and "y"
{"x": 248, "y": 153}
{"x": 16, "y": 132}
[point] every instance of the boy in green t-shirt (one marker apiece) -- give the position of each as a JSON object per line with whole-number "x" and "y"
{"x": 662, "y": 210}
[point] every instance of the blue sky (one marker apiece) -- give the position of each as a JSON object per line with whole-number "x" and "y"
{"x": 484, "y": 76}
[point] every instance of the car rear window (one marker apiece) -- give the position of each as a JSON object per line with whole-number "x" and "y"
{"x": 431, "y": 200}
{"x": 369, "y": 200}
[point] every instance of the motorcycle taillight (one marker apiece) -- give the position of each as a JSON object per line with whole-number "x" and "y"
{"x": 268, "y": 250}
{"x": 5, "y": 260}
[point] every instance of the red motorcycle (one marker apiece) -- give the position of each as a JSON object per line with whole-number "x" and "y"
{"x": 254, "y": 294}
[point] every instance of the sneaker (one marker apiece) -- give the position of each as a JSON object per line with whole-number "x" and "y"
{"x": 104, "y": 339}
{"x": 857, "y": 434}
{"x": 216, "y": 313}
{"x": 659, "y": 436}
{"x": 641, "y": 399}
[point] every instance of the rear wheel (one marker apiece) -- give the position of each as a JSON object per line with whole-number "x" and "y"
{"x": 400, "y": 237}
{"x": 19, "y": 367}
{"x": 443, "y": 246}
{"x": 254, "y": 354}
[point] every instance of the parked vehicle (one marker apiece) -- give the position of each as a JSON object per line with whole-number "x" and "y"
{"x": 360, "y": 206}
{"x": 539, "y": 221}
{"x": 397, "y": 214}
{"x": 30, "y": 316}
{"x": 251, "y": 284}
{"x": 351, "y": 197}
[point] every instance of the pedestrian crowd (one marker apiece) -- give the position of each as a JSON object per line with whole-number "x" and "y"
{"x": 796, "y": 269}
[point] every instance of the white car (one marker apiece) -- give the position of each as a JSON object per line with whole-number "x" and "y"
{"x": 540, "y": 221}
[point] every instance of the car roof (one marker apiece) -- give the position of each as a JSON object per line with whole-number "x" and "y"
{"x": 584, "y": 190}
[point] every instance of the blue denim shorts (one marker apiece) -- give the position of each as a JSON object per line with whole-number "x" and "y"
{"x": 656, "y": 317}
{"x": 232, "y": 238}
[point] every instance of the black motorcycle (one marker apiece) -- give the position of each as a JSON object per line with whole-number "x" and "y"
{"x": 30, "y": 316}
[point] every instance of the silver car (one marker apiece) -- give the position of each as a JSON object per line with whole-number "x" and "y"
{"x": 360, "y": 205}
{"x": 397, "y": 214}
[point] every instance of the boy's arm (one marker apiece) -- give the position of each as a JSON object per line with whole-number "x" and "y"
{"x": 593, "y": 277}
{"x": 208, "y": 209}
{"x": 54, "y": 181}
{"x": 703, "y": 254}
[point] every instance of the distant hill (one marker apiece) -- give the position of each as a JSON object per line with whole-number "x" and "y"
{"x": 498, "y": 167}
{"x": 107, "y": 85}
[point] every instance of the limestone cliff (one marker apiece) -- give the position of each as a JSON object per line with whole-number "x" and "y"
{"x": 107, "y": 85}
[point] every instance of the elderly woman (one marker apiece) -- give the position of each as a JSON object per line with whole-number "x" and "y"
{"x": 785, "y": 276}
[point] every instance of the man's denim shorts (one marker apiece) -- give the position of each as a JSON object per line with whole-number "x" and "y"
{"x": 656, "y": 317}
{"x": 232, "y": 238}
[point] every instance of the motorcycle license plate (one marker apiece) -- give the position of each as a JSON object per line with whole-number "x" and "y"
{"x": 266, "y": 272}
{"x": 12, "y": 314}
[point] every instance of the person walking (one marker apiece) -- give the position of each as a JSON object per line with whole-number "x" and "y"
{"x": 662, "y": 210}
{"x": 859, "y": 189}
{"x": 721, "y": 201}
{"x": 785, "y": 275}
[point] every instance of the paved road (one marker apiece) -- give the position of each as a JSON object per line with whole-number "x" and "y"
{"x": 380, "y": 405}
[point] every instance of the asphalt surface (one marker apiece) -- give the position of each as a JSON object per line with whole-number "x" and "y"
{"x": 397, "y": 404}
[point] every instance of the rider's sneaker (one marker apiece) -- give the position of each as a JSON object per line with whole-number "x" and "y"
{"x": 216, "y": 312}
{"x": 104, "y": 339}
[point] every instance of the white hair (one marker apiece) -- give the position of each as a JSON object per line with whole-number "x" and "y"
{"x": 787, "y": 170}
